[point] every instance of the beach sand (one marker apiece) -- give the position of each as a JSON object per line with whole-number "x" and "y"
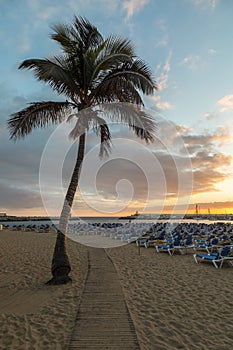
{"x": 174, "y": 303}
{"x": 32, "y": 315}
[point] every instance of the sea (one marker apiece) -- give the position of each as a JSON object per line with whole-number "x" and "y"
{"x": 89, "y": 220}
{"x": 110, "y": 220}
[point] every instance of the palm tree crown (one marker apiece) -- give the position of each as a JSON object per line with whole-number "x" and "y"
{"x": 90, "y": 71}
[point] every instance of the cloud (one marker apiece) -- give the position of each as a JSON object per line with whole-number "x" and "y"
{"x": 167, "y": 66}
{"x": 207, "y": 171}
{"x": 162, "y": 26}
{"x": 155, "y": 182}
{"x": 226, "y": 103}
{"x": 19, "y": 198}
{"x": 182, "y": 129}
{"x": 163, "y": 77}
{"x": 162, "y": 73}
{"x": 161, "y": 105}
{"x": 178, "y": 156}
{"x": 206, "y": 3}
{"x": 212, "y": 51}
{"x": 206, "y": 206}
{"x": 210, "y": 165}
{"x": 164, "y": 105}
{"x": 192, "y": 61}
{"x": 194, "y": 143}
{"x": 177, "y": 174}
{"x": 162, "y": 81}
{"x": 214, "y": 205}
{"x": 163, "y": 42}
{"x": 134, "y": 6}
{"x": 210, "y": 116}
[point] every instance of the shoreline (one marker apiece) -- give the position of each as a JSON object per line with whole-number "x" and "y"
{"x": 134, "y": 218}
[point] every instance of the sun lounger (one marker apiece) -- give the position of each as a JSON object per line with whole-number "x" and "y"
{"x": 188, "y": 244}
{"x": 208, "y": 246}
{"x": 171, "y": 246}
{"x": 224, "y": 254}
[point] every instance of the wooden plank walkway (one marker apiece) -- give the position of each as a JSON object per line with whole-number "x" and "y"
{"x": 103, "y": 320}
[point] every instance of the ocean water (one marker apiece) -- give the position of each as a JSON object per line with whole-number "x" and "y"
{"x": 101, "y": 220}
{"x": 89, "y": 220}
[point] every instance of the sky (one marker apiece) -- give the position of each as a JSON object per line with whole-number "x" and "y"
{"x": 188, "y": 45}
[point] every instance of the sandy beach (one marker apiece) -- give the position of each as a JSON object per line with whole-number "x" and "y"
{"x": 174, "y": 303}
{"x": 32, "y": 315}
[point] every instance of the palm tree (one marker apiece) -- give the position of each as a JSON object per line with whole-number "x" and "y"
{"x": 90, "y": 71}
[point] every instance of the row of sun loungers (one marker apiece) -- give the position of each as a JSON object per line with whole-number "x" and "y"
{"x": 215, "y": 240}
{"x": 124, "y": 232}
{"x": 44, "y": 228}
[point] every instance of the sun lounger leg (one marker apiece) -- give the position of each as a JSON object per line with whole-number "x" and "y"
{"x": 170, "y": 252}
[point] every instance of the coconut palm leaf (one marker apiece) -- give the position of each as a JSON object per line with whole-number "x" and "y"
{"x": 122, "y": 84}
{"x": 56, "y": 72}
{"x": 105, "y": 140}
{"x": 81, "y": 35}
{"x": 137, "y": 73}
{"x": 114, "y": 53}
{"x": 39, "y": 114}
{"x": 139, "y": 121}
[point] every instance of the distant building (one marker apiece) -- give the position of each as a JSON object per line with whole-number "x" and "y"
{"x": 2, "y": 214}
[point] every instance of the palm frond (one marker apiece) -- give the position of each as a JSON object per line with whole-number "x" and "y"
{"x": 117, "y": 89}
{"x": 108, "y": 63}
{"x": 105, "y": 141}
{"x": 55, "y": 72}
{"x": 81, "y": 35}
{"x": 86, "y": 32}
{"x": 62, "y": 36}
{"x": 133, "y": 116}
{"x": 38, "y": 114}
{"x": 114, "y": 52}
{"x": 101, "y": 129}
{"x": 117, "y": 44}
{"x": 141, "y": 76}
{"x": 123, "y": 84}
{"x": 81, "y": 124}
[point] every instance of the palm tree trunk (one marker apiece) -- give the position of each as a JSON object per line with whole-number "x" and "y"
{"x": 60, "y": 263}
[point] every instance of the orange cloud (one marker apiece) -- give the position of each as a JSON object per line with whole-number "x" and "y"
{"x": 226, "y": 103}
{"x": 164, "y": 105}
